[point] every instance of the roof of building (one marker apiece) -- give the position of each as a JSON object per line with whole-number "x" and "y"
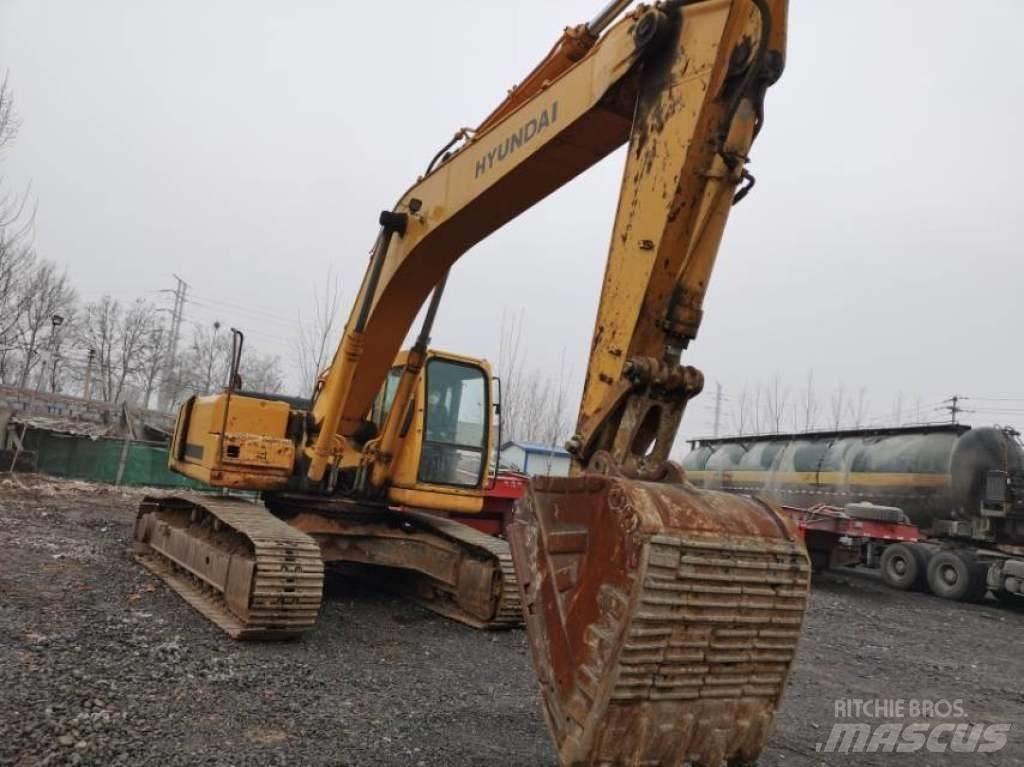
{"x": 536, "y": 447}
{"x": 62, "y": 425}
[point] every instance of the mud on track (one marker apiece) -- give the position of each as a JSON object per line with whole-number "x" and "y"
{"x": 101, "y": 664}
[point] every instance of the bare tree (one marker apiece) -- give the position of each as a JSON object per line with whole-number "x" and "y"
{"x": 808, "y": 405}
{"x": 559, "y": 420}
{"x": 552, "y": 425}
{"x": 152, "y": 357}
{"x": 775, "y": 398}
{"x": 98, "y": 329}
{"x": 319, "y": 333}
{"x": 757, "y": 410}
{"x": 262, "y": 373}
{"x": 16, "y": 217}
{"x": 135, "y": 334}
{"x": 16, "y": 263}
{"x": 205, "y": 363}
{"x": 16, "y": 255}
{"x": 46, "y": 294}
{"x": 918, "y": 405}
{"x": 122, "y": 340}
{"x": 837, "y": 403}
{"x": 13, "y": 222}
{"x": 9, "y": 122}
{"x": 741, "y": 415}
{"x": 858, "y": 408}
{"x": 534, "y": 407}
{"x": 509, "y": 369}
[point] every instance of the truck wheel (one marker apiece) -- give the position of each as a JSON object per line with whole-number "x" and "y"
{"x": 957, "y": 575}
{"x": 924, "y": 554}
{"x": 902, "y": 568}
{"x": 1008, "y": 598}
{"x": 1009, "y": 591}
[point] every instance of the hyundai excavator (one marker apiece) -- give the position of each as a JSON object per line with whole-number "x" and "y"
{"x": 662, "y": 619}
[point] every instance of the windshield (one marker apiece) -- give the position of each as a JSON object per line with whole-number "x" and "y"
{"x": 455, "y": 428}
{"x": 382, "y": 404}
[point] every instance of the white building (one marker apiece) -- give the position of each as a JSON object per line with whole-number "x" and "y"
{"x": 532, "y": 458}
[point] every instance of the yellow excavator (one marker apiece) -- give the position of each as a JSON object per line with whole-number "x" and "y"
{"x": 662, "y": 619}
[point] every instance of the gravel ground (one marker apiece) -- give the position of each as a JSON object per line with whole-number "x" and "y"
{"x": 101, "y": 664}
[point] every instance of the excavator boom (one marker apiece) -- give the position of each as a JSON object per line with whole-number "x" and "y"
{"x": 683, "y": 84}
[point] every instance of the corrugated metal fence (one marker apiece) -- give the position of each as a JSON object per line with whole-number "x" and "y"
{"x": 102, "y": 459}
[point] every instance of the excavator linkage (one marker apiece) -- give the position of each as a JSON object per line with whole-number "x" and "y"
{"x": 663, "y": 619}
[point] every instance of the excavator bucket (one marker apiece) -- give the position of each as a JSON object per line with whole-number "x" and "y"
{"x": 663, "y": 619}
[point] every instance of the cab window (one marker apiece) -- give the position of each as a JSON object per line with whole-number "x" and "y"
{"x": 382, "y": 405}
{"x": 455, "y": 424}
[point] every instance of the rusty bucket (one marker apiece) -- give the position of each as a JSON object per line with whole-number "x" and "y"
{"x": 663, "y": 619}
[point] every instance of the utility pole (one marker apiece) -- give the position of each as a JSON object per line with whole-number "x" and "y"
{"x": 954, "y": 407}
{"x": 88, "y": 374}
{"x": 167, "y": 379}
{"x": 50, "y": 355}
{"x": 718, "y": 407}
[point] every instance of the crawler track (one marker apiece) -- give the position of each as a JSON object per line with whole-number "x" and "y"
{"x": 507, "y": 611}
{"x": 251, "y": 574}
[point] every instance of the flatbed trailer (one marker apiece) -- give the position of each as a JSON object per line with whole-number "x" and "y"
{"x": 834, "y": 538}
{"x": 880, "y": 537}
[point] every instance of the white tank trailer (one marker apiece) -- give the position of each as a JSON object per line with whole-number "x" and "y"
{"x": 963, "y": 488}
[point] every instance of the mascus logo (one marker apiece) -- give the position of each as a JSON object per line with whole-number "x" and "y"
{"x": 532, "y": 127}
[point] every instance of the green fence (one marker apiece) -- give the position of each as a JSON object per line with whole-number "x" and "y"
{"x": 99, "y": 460}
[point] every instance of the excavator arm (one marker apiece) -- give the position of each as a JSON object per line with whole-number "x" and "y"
{"x": 682, "y": 83}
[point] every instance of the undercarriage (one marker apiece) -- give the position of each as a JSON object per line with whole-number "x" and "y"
{"x": 258, "y": 574}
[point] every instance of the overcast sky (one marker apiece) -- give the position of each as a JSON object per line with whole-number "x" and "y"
{"x": 248, "y": 147}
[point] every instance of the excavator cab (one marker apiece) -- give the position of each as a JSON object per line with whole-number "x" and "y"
{"x": 232, "y": 438}
{"x": 445, "y": 434}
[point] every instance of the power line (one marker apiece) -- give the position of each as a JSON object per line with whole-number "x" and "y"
{"x": 249, "y": 330}
{"x": 218, "y": 303}
{"x": 245, "y": 324}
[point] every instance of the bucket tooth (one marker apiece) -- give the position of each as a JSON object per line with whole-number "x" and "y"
{"x": 673, "y": 641}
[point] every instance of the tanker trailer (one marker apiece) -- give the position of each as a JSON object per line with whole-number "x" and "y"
{"x": 962, "y": 487}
